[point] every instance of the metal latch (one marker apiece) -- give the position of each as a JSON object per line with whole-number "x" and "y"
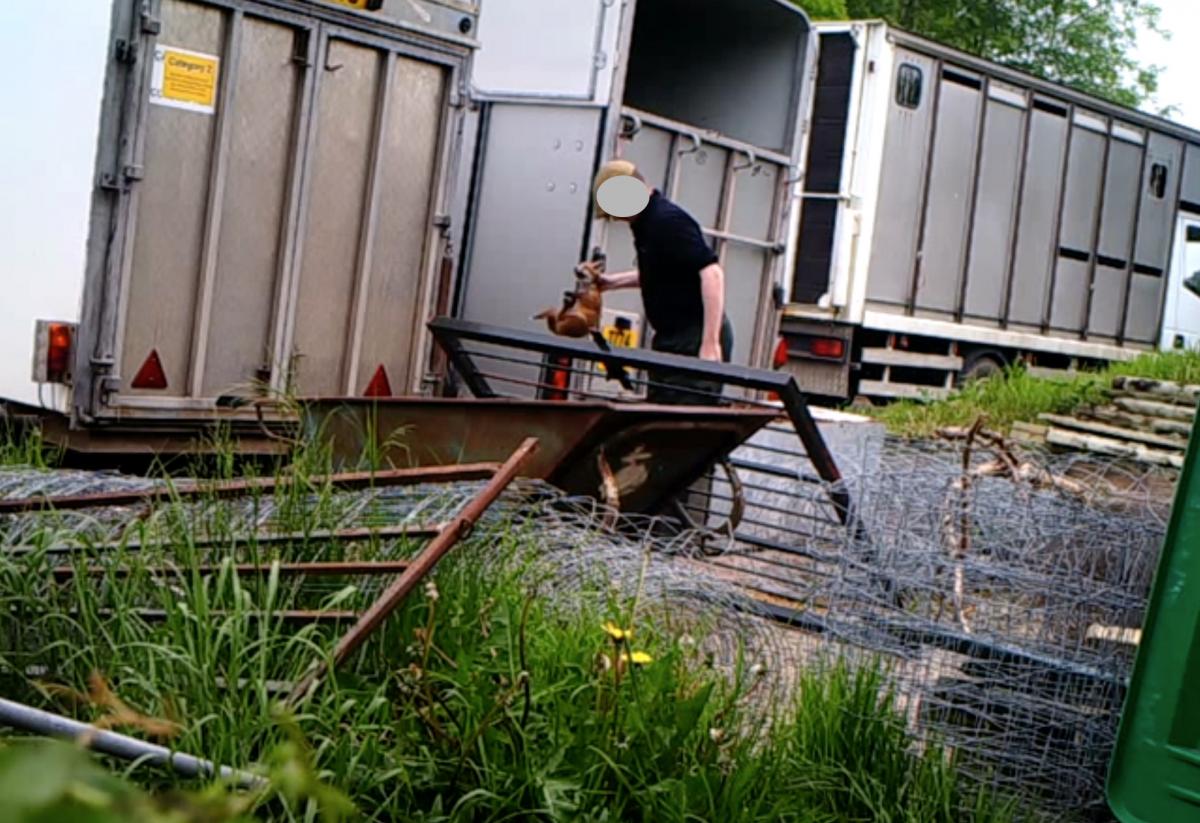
{"x": 120, "y": 182}
{"x": 150, "y": 24}
{"x": 125, "y": 52}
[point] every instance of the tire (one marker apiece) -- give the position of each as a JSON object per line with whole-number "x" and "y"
{"x": 980, "y": 367}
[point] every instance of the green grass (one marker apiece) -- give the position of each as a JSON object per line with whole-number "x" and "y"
{"x": 1017, "y": 395}
{"x": 480, "y": 701}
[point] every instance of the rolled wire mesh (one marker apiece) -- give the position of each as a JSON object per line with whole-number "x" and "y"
{"x": 1012, "y": 652}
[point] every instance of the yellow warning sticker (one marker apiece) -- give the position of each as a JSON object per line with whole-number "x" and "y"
{"x": 621, "y": 335}
{"x": 185, "y": 79}
{"x": 364, "y": 5}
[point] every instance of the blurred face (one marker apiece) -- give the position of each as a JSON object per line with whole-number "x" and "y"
{"x": 622, "y": 197}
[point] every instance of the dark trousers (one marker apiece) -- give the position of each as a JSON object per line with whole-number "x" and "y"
{"x": 671, "y": 389}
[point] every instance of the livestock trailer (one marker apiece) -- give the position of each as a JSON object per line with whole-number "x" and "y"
{"x": 959, "y": 215}
{"x": 219, "y": 201}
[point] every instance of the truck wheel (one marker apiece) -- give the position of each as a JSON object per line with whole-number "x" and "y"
{"x": 980, "y": 367}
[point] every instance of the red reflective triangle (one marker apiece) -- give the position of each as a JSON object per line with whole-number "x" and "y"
{"x": 151, "y": 374}
{"x": 379, "y": 386}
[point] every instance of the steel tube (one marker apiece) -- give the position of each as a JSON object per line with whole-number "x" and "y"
{"x": 240, "y": 488}
{"x": 421, "y": 565}
{"x": 27, "y": 718}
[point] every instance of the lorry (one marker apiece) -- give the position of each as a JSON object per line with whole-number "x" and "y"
{"x": 213, "y": 202}
{"x": 958, "y": 216}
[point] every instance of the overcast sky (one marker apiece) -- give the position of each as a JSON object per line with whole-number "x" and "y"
{"x": 1179, "y": 83}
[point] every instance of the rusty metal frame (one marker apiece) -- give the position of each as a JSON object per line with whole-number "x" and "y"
{"x": 332, "y": 569}
{"x": 451, "y": 333}
{"x": 387, "y": 602}
{"x": 348, "y": 481}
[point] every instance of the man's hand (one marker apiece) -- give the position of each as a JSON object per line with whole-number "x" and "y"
{"x": 711, "y": 351}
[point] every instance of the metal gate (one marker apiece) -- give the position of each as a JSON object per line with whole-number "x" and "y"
{"x": 275, "y": 228}
{"x": 735, "y": 191}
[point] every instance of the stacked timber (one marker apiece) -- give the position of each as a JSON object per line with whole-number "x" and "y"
{"x": 1145, "y": 420}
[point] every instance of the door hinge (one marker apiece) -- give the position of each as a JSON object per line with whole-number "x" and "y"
{"x": 441, "y": 221}
{"x": 120, "y": 181}
{"x": 125, "y": 52}
{"x": 150, "y": 24}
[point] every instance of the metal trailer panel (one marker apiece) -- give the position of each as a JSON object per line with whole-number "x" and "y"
{"x": 1152, "y": 248}
{"x": 1039, "y": 209}
{"x": 995, "y": 201}
{"x": 950, "y": 188}
{"x": 340, "y": 174}
{"x": 824, "y": 166}
{"x": 1110, "y": 277}
{"x": 1077, "y": 220}
{"x": 171, "y": 215}
{"x": 391, "y": 302}
{"x": 694, "y": 60}
{"x": 531, "y": 207}
{"x": 249, "y": 257}
{"x": 1108, "y": 293}
{"x": 902, "y": 181}
{"x": 517, "y": 57}
{"x": 699, "y": 183}
{"x": 1189, "y": 194}
{"x": 44, "y": 213}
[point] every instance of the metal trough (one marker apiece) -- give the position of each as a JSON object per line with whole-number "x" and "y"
{"x": 655, "y": 452}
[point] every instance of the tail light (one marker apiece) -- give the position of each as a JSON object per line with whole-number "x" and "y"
{"x": 53, "y": 343}
{"x": 833, "y": 348}
{"x": 780, "y": 358}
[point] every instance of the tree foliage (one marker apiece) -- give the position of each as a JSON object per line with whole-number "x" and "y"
{"x": 1087, "y": 44}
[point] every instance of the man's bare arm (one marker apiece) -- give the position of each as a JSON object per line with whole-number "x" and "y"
{"x": 620, "y": 280}
{"x": 712, "y": 293}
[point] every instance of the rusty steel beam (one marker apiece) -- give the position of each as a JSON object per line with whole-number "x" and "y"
{"x": 364, "y": 567}
{"x": 349, "y": 481}
{"x": 356, "y": 535}
{"x": 287, "y": 615}
{"x": 420, "y": 566}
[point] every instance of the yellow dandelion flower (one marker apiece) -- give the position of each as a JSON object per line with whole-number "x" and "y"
{"x": 637, "y": 658}
{"x": 616, "y": 632}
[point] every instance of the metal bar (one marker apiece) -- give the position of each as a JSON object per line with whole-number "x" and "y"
{"x": 1060, "y": 201}
{"x": 710, "y": 137}
{"x": 289, "y": 538}
{"x": 239, "y": 488}
{"x": 366, "y": 238}
{"x": 216, "y": 200}
{"x": 291, "y": 231}
{"x": 27, "y": 718}
{"x": 1096, "y": 221}
{"x": 926, "y": 172}
{"x": 719, "y": 234}
{"x": 964, "y": 262}
{"x": 1133, "y": 236}
{"x": 364, "y": 567}
{"x": 286, "y": 615}
{"x": 1014, "y": 214}
{"x": 421, "y": 565}
{"x": 774, "y": 471}
{"x": 449, "y": 331}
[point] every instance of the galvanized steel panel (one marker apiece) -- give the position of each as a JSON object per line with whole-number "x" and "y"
{"x": 399, "y": 253}
{"x": 1190, "y": 191}
{"x": 951, "y": 176}
{"x": 1082, "y": 197}
{"x": 1155, "y": 218}
{"x": 172, "y": 206}
{"x": 700, "y": 183}
{"x": 1038, "y": 216}
{"x": 559, "y": 61}
{"x": 1108, "y": 291}
{"x": 1145, "y": 298}
{"x": 744, "y": 267}
{"x": 340, "y": 167}
{"x": 253, "y": 208}
{"x": 987, "y": 268}
{"x": 901, "y": 183}
{"x": 1070, "y": 294}
{"x": 753, "y": 211}
{"x": 531, "y": 210}
{"x": 1120, "y": 200}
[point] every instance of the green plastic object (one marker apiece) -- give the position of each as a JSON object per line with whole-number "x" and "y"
{"x": 1154, "y": 776}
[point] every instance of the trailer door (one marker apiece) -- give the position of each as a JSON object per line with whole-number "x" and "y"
{"x": 274, "y": 228}
{"x": 1181, "y": 320}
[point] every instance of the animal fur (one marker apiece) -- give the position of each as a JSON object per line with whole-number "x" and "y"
{"x": 580, "y": 312}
